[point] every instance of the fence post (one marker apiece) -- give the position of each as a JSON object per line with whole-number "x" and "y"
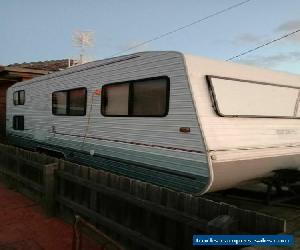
{"x": 49, "y": 188}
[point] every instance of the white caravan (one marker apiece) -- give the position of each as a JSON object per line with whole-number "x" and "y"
{"x": 184, "y": 122}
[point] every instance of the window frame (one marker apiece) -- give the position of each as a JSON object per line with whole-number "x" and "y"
{"x": 218, "y": 110}
{"x": 18, "y": 101}
{"x": 15, "y": 117}
{"x": 130, "y": 95}
{"x": 68, "y": 101}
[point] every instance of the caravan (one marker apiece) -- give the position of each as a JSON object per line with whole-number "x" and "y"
{"x": 183, "y": 122}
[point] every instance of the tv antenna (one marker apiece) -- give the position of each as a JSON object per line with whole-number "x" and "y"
{"x": 83, "y": 40}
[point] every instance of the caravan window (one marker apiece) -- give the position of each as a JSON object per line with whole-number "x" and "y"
{"x": 69, "y": 102}
{"x": 115, "y": 99}
{"x": 18, "y": 122}
{"x": 59, "y": 103}
{"x": 233, "y": 97}
{"x": 147, "y": 97}
{"x": 77, "y": 102}
{"x": 19, "y": 97}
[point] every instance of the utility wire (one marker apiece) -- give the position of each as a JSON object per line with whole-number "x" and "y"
{"x": 263, "y": 45}
{"x": 182, "y": 27}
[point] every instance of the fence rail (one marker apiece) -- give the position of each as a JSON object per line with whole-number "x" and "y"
{"x": 137, "y": 214}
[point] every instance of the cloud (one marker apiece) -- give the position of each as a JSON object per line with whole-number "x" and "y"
{"x": 290, "y": 26}
{"x": 275, "y": 60}
{"x": 249, "y": 38}
{"x": 284, "y": 28}
{"x": 272, "y": 61}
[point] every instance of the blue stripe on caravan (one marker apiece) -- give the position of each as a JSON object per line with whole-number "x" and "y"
{"x": 179, "y": 181}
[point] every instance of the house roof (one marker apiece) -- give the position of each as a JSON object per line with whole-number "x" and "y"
{"x": 23, "y": 71}
{"x": 16, "y": 74}
{"x": 52, "y": 65}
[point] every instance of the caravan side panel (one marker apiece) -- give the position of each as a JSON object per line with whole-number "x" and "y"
{"x": 148, "y": 148}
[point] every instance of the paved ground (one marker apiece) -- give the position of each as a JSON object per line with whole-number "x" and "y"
{"x": 23, "y": 226}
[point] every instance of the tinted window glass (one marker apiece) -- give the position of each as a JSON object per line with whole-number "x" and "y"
{"x": 115, "y": 99}
{"x": 19, "y": 97}
{"x": 69, "y": 102}
{"x": 16, "y": 98}
{"x": 18, "y": 122}
{"x": 77, "y": 101}
{"x": 147, "y": 97}
{"x": 59, "y": 103}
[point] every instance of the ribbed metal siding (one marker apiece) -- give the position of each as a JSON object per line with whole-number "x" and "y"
{"x": 162, "y": 132}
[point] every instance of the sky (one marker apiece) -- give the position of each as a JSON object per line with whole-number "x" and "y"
{"x": 39, "y": 30}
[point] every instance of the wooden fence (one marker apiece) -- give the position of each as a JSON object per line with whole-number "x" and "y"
{"x": 30, "y": 173}
{"x": 137, "y": 214}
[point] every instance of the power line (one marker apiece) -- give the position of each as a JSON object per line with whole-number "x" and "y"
{"x": 263, "y": 45}
{"x": 182, "y": 27}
